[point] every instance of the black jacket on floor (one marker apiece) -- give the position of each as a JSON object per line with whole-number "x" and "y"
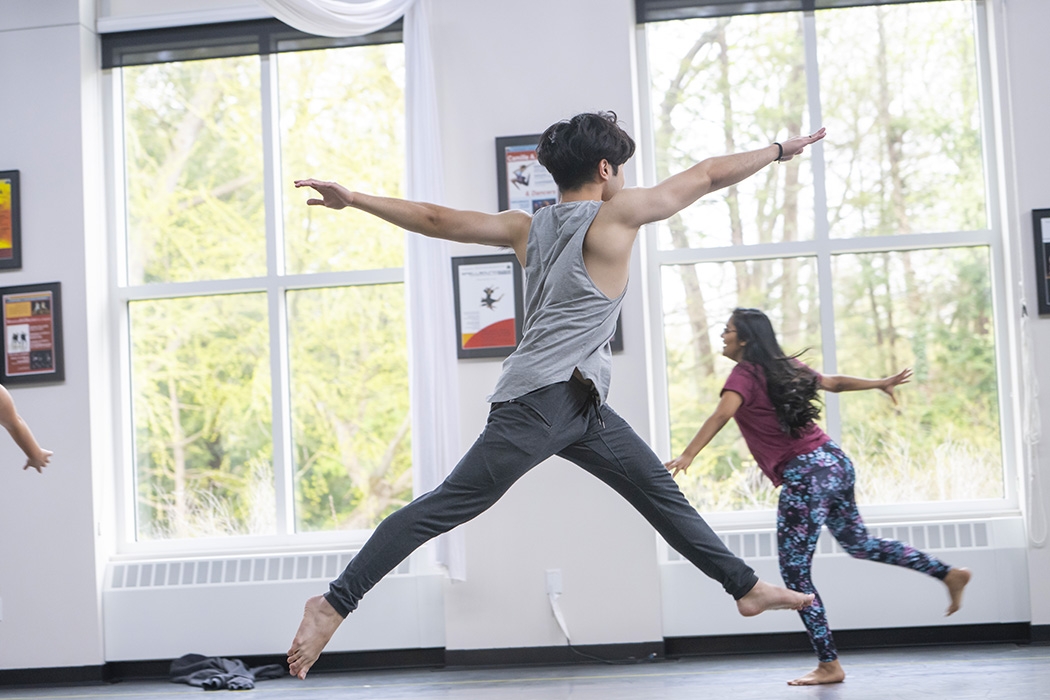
{"x": 214, "y": 673}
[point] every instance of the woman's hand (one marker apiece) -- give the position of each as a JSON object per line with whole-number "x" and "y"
{"x": 889, "y": 383}
{"x": 678, "y": 464}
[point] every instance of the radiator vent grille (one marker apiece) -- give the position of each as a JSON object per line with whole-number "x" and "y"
{"x": 762, "y": 544}
{"x": 231, "y": 570}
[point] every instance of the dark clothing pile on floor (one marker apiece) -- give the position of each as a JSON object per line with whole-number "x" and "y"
{"x": 214, "y": 673}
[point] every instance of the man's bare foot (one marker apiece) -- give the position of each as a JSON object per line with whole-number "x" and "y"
{"x": 765, "y": 596}
{"x": 826, "y": 672}
{"x": 320, "y": 621}
{"x": 956, "y": 581}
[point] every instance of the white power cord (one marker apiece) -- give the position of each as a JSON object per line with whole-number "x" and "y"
{"x": 556, "y": 609}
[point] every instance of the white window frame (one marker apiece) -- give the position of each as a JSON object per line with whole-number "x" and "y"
{"x": 275, "y": 284}
{"x": 821, "y": 248}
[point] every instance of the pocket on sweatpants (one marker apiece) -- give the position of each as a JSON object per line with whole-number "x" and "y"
{"x": 532, "y": 408}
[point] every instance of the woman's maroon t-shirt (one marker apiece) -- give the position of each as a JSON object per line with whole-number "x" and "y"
{"x": 771, "y": 447}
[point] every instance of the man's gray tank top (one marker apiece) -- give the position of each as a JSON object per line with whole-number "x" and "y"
{"x": 568, "y": 320}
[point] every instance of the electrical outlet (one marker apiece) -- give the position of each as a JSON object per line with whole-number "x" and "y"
{"x": 553, "y": 581}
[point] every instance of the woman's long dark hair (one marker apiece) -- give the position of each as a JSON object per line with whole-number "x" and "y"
{"x": 792, "y": 387}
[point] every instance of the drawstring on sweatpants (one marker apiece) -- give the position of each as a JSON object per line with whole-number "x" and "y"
{"x": 596, "y": 402}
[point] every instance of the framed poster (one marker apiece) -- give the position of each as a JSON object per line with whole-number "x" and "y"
{"x": 32, "y": 317}
{"x": 1041, "y": 228}
{"x": 10, "y": 222}
{"x": 523, "y": 183}
{"x": 490, "y": 305}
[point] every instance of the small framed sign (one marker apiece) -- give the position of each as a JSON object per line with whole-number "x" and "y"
{"x": 523, "y": 183}
{"x": 10, "y": 222}
{"x": 32, "y": 318}
{"x": 1041, "y": 227}
{"x": 490, "y": 304}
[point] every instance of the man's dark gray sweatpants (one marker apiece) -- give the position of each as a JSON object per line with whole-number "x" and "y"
{"x": 561, "y": 419}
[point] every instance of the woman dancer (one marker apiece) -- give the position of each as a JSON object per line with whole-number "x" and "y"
{"x": 773, "y": 399}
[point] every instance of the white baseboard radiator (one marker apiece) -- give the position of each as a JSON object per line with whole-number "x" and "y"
{"x": 862, "y": 594}
{"x": 251, "y": 605}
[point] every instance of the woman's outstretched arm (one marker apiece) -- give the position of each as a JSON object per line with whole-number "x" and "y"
{"x": 726, "y": 409}
{"x": 836, "y": 383}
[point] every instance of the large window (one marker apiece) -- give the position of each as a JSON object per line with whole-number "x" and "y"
{"x": 267, "y": 362}
{"x": 871, "y": 253}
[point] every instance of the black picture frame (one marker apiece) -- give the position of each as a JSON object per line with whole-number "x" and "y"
{"x": 10, "y": 221}
{"x": 616, "y": 342}
{"x": 534, "y": 188}
{"x": 480, "y": 285}
{"x": 1041, "y": 231}
{"x": 32, "y": 322}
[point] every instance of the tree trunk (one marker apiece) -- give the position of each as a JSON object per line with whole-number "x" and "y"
{"x": 694, "y": 298}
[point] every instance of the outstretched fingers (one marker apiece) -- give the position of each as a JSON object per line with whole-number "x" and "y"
{"x": 333, "y": 195}
{"x": 795, "y": 146}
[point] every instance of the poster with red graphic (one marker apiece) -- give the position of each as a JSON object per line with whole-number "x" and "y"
{"x": 32, "y": 334}
{"x": 488, "y": 304}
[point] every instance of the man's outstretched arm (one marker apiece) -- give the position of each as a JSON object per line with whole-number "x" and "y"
{"x": 508, "y": 229}
{"x": 643, "y": 205}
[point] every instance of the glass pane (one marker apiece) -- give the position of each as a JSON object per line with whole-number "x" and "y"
{"x": 930, "y": 310}
{"x": 725, "y": 85}
{"x": 898, "y": 87}
{"x": 193, "y": 145}
{"x": 201, "y": 410}
{"x": 350, "y": 415}
{"x": 698, "y": 300}
{"x": 343, "y": 119}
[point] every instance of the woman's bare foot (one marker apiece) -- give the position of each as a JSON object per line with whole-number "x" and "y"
{"x": 956, "y": 581}
{"x": 826, "y": 672}
{"x": 765, "y": 596}
{"x": 320, "y": 621}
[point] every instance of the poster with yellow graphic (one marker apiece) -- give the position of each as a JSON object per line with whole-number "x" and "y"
{"x": 10, "y": 237}
{"x": 6, "y": 218}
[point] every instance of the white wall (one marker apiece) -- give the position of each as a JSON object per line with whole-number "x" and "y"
{"x": 48, "y": 573}
{"x": 513, "y": 69}
{"x": 503, "y": 69}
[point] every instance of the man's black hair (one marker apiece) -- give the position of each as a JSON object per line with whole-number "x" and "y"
{"x": 572, "y": 148}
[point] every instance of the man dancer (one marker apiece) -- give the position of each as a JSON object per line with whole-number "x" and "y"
{"x": 550, "y": 397}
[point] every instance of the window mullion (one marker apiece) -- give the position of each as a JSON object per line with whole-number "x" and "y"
{"x": 821, "y": 228}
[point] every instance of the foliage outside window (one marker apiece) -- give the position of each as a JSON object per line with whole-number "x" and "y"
{"x": 870, "y": 254}
{"x": 268, "y": 359}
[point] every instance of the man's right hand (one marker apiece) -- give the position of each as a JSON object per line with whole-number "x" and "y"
{"x": 333, "y": 195}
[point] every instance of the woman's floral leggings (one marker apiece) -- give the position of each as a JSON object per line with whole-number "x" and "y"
{"x": 818, "y": 490}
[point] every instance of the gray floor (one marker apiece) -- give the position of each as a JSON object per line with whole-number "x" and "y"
{"x": 985, "y": 671}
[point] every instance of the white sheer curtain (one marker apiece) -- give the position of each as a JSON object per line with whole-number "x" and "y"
{"x": 431, "y": 333}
